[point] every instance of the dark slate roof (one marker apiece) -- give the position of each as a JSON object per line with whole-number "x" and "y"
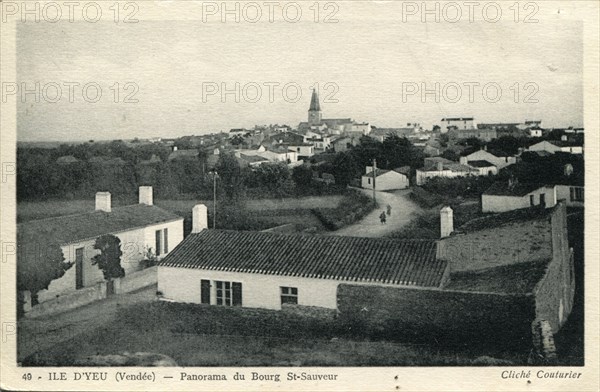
{"x": 501, "y": 188}
{"x": 406, "y": 262}
{"x": 480, "y": 163}
{"x": 67, "y": 229}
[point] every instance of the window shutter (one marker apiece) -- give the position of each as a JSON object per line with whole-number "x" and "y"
{"x": 237, "y": 294}
{"x": 166, "y": 231}
{"x": 205, "y": 291}
{"x": 157, "y": 242}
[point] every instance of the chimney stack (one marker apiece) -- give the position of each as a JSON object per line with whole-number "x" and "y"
{"x": 446, "y": 222}
{"x": 145, "y": 196}
{"x": 199, "y": 218}
{"x": 103, "y": 201}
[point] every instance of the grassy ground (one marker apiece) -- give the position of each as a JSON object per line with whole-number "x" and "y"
{"x": 196, "y": 335}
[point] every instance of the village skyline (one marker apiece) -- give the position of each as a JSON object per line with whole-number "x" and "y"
{"x": 156, "y": 84}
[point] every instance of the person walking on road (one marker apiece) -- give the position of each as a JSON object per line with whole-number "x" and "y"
{"x": 389, "y": 210}
{"x": 382, "y": 218}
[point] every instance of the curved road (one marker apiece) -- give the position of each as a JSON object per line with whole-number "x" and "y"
{"x": 370, "y": 226}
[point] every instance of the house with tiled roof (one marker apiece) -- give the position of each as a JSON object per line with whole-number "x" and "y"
{"x": 485, "y": 168}
{"x": 496, "y": 158}
{"x": 442, "y": 167}
{"x": 269, "y": 270}
{"x": 384, "y": 180}
{"x": 512, "y": 195}
{"x": 141, "y": 227}
{"x": 553, "y": 146}
{"x": 461, "y": 283}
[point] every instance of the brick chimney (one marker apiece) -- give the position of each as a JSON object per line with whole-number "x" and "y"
{"x": 103, "y": 201}
{"x": 446, "y": 222}
{"x": 145, "y": 195}
{"x": 199, "y": 218}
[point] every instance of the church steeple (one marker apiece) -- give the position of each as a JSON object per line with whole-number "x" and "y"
{"x": 314, "y": 111}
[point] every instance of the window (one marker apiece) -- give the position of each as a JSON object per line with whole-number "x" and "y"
{"x": 157, "y": 241}
{"x": 229, "y": 293}
{"x": 289, "y": 295}
{"x": 531, "y": 200}
{"x": 576, "y": 193}
{"x": 543, "y": 199}
{"x": 369, "y": 181}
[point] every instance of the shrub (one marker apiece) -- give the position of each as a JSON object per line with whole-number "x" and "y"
{"x": 353, "y": 207}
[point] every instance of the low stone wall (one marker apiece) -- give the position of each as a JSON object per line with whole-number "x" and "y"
{"x": 309, "y": 311}
{"x": 68, "y": 301}
{"x": 136, "y": 280}
{"x": 131, "y": 282}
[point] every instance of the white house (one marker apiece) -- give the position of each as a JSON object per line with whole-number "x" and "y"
{"x": 512, "y": 195}
{"x": 364, "y": 128}
{"x": 441, "y": 167}
{"x": 483, "y": 155}
{"x": 553, "y": 146}
{"x": 271, "y": 270}
{"x": 535, "y": 132}
{"x": 303, "y": 149}
{"x": 484, "y": 168}
{"x": 141, "y": 228}
{"x": 384, "y": 180}
{"x": 461, "y": 123}
{"x": 571, "y": 194}
{"x": 279, "y": 154}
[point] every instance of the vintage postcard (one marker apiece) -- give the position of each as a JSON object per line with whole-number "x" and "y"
{"x": 299, "y": 195}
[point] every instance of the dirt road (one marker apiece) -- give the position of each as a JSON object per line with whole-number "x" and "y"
{"x": 370, "y": 226}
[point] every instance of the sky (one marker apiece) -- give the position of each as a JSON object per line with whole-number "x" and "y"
{"x": 366, "y": 65}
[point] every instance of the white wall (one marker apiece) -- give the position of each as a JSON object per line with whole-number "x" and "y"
{"x": 423, "y": 176}
{"x": 494, "y": 203}
{"x": 564, "y": 192}
{"x": 258, "y": 291}
{"x": 385, "y": 182}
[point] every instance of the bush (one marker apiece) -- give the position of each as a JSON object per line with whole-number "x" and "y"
{"x": 353, "y": 207}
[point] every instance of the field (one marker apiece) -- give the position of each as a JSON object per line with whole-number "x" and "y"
{"x": 197, "y": 335}
{"x": 262, "y": 213}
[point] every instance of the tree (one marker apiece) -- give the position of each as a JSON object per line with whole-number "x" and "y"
{"x": 109, "y": 259}
{"x": 39, "y": 264}
{"x": 303, "y": 178}
{"x": 230, "y": 174}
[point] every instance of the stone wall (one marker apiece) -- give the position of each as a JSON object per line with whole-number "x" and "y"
{"x": 309, "y": 311}
{"x": 451, "y": 317}
{"x": 508, "y": 244}
{"x": 136, "y": 280}
{"x": 555, "y": 292}
{"x": 69, "y": 301}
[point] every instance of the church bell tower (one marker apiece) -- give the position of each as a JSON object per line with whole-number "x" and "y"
{"x": 314, "y": 111}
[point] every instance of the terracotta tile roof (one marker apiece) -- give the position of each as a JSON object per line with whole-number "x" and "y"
{"x": 72, "y": 228}
{"x": 406, "y": 262}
